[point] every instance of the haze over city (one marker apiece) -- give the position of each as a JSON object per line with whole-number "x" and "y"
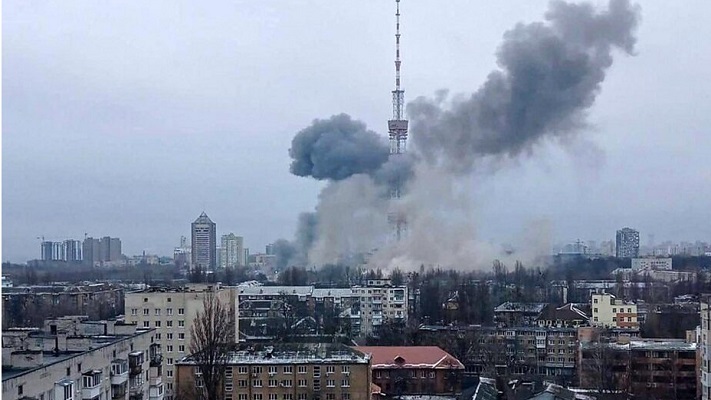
{"x": 131, "y": 119}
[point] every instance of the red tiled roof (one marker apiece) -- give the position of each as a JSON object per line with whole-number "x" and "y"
{"x": 410, "y": 357}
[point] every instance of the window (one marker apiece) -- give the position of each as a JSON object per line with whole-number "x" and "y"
{"x": 181, "y": 336}
{"x": 242, "y": 383}
{"x": 346, "y": 369}
{"x": 302, "y": 369}
{"x": 169, "y": 324}
{"x": 273, "y": 383}
{"x": 241, "y": 370}
{"x": 157, "y": 311}
{"x": 169, "y": 336}
{"x": 257, "y": 383}
{"x": 614, "y": 319}
{"x": 168, "y": 311}
{"x": 595, "y": 319}
{"x": 317, "y": 371}
{"x": 134, "y": 311}
{"x": 346, "y": 382}
{"x": 169, "y": 386}
{"x": 595, "y": 309}
{"x": 272, "y": 396}
{"x": 181, "y": 311}
{"x": 432, "y": 374}
{"x": 169, "y": 361}
{"x": 330, "y": 369}
{"x": 595, "y": 301}
{"x": 146, "y": 324}
{"x": 157, "y": 324}
{"x": 330, "y": 396}
{"x": 157, "y": 336}
{"x": 169, "y": 373}
{"x": 287, "y": 396}
{"x": 286, "y": 382}
{"x": 181, "y": 324}
{"x": 19, "y": 390}
{"x": 169, "y": 348}
{"x": 272, "y": 370}
{"x": 614, "y": 309}
{"x": 302, "y": 396}
{"x": 288, "y": 369}
{"x": 330, "y": 383}
{"x": 302, "y": 382}
{"x": 181, "y": 348}
{"x": 629, "y": 310}
{"x": 257, "y": 396}
{"x": 345, "y": 396}
{"x": 228, "y": 372}
{"x": 228, "y": 386}
{"x": 242, "y": 396}
{"x": 629, "y": 319}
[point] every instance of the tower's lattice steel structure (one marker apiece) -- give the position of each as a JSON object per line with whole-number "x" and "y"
{"x": 397, "y": 128}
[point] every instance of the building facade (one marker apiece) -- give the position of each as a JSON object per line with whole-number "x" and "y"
{"x": 287, "y": 372}
{"x": 704, "y": 340}
{"x": 204, "y": 243}
{"x": 172, "y": 312}
{"x": 232, "y": 251}
{"x": 627, "y": 243}
{"x": 101, "y": 251}
{"x": 73, "y": 358}
{"x": 608, "y": 311}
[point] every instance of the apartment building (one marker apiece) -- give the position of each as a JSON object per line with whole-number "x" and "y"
{"x": 608, "y": 311}
{"x": 415, "y": 370}
{"x": 704, "y": 343}
{"x": 647, "y": 368}
{"x": 72, "y": 358}
{"x": 287, "y": 372}
{"x": 171, "y": 312}
{"x": 360, "y": 310}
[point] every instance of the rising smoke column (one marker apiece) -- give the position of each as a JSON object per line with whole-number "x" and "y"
{"x": 337, "y": 148}
{"x": 550, "y": 74}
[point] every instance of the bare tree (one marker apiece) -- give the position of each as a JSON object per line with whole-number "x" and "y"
{"x": 212, "y": 338}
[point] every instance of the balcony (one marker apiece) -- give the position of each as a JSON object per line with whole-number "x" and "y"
{"x": 118, "y": 391}
{"x": 119, "y": 371}
{"x": 156, "y": 357}
{"x": 155, "y": 392}
{"x": 91, "y": 392}
{"x": 155, "y": 381}
{"x": 135, "y": 363}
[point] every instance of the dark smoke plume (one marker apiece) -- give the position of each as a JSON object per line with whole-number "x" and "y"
{"x": 295, "y": 253}
{"x": 337, "y": 148}
{"x": 550, "y": 74}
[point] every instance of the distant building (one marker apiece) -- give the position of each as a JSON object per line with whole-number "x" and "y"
{"x": 660, "y": 264}
{"x": 100, "y": 251}
{"x": 511, "y": 314}
{"x": 415, "y": 370}
{"x": 72, "y": 358}
{"x": 232, "y": 251}
{"x": 204, "y": 243}
{"x": 68, "y": 251}
{"x": 704, "y": 344}
{"x": 627, "y": 243}
{"x": 607, "y": 311}
{"x": 287, "y": 371}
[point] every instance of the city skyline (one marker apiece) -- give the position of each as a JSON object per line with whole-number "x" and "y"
{"x": 132, "y": 164}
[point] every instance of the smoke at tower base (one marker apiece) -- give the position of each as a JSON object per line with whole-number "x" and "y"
{"x": 549, "y": 75}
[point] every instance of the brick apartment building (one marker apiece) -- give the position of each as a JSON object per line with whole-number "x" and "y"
{"x": 287, "y": 372}
{"x": 414, "y": 370}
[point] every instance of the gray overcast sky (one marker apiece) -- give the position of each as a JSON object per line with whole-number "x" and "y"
{"x": 130, "y": 118}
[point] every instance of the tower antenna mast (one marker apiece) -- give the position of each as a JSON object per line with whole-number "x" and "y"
{"x": 397, "y": 128}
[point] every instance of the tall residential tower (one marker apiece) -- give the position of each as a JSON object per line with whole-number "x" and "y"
{"x": 204, "y": 243}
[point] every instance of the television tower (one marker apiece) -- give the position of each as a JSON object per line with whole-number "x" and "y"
{"x": 397, "y": 128}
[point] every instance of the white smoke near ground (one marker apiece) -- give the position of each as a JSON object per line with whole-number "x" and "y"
{"x": 549, "y": 75}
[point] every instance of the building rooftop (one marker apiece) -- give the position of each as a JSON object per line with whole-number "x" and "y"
{"x": 276, "y": 290}
{"x": 520, "y": 307}
{"x": 203, "y": 219}
{"x": 411, "y": 357}
{"x": 292, "y": 353}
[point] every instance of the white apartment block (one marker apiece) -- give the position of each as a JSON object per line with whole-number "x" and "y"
{"x": 704, "y": 347}
{"x": 75, "y": 359}
{"x": 367, "y": 307}
{"x": 171, "y": 312}
{"x": 658, "y": 264}
{"x": 610, "y": 312}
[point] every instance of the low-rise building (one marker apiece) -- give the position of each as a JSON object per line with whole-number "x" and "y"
{"x": 414, "y": 370}
{"x": 73, "y": 358}
{"x": 565, "y": 316}
{"x": 287, "y": 372}
{"x": 609, "y": 311}
{"x": 511, "y": 314}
